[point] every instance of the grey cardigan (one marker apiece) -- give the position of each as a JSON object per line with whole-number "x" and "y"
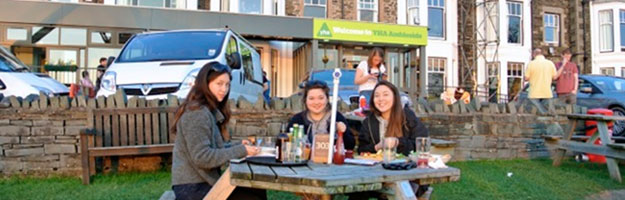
{"x": 200, "y": 151}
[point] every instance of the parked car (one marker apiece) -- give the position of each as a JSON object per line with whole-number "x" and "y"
{"x": 599, "y": 91}
{"x": 157, "y": 64}
{"x": 17, "y": 80}
{"x": 348, "y": 91}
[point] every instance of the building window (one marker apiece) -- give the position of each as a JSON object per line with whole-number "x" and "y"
{"x": 17, "y": 34}
{"x": 251, "y": 6}
{"x": 436, "y": 75}
{"x": 622, "y": 27}
{"x": 515, "y": 79}
{"x": 315, "y": 8}
{"x": 552, "y": 28}
{"x": 606, "y": 37}
{"x": 45, "y": 35}
{"x": 101, "y": 37}
{"x": 436, "y": 18}
{"x": 124, "y": 37}
{"x": 368, "y": 10}
{"x": 607, "y": 71}
{"x": 413, "y": 12}
{"x": 149, "y": 3}
{"x": 74, "y": 36}
{"x": 515, "y": 17}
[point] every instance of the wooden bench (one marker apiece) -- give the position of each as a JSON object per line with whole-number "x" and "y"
{"x": 125, "y": 132}
{"x": 607, "y": 148}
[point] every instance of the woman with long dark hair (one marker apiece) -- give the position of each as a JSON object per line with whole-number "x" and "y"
{"x": 388, "y": 120}
{"x": 202, "y": 140}
{"x": 370, "y": 71}
{"x": 317, "y": 112}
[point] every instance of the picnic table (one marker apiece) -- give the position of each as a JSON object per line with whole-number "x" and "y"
{"x": 607, "y": 148}
{"x": 327, "y": 180}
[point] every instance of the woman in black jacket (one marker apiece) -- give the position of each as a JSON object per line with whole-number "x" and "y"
{"x": 317, "y": 112}
{"x": 401, "y": 124}
{"x": 388, "y": 120}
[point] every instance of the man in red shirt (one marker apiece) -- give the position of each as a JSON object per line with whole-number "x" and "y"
{"x": 567, "y": 79}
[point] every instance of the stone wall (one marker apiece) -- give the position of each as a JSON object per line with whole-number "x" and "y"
{"x": 40, "y": 135}
{"x": 40, "y": 142}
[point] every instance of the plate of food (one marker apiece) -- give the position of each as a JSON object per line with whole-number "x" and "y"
{"x": 378, "y": 156}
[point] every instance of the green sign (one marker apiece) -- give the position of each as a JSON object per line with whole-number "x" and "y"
{"x": 354, "y": 31}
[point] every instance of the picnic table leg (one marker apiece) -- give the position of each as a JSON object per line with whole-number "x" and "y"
{"x": 222, "y": 188}
{"x": 403, "y": 191}
{"x": 605, "y": 140}
{"x": 559, "y": 154}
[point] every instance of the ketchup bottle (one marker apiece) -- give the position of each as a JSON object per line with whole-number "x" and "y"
{"x": 339, "y": 150}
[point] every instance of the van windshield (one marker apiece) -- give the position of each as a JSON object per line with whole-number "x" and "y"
{"x": 6, "y": 65}
{"x": 192, "y": 45}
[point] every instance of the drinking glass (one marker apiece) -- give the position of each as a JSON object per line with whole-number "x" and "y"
{"x": 389, "y": 147}
{"x": 423, "y": 145}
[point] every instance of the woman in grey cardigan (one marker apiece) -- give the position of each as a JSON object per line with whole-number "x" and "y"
{"x": 202, "y": 145}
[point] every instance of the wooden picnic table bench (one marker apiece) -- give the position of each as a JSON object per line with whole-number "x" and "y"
{"x": 327, "y": 180}
{"x": 607, "y": 148}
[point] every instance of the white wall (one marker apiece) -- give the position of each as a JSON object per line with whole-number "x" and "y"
{"x": 436, "y": 47}
{"x": 606, "y": 59}
{"x": 507, "y": 52}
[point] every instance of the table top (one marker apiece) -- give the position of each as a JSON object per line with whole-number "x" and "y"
{"x": 332, "y": 179}
{"x": 595, "y": 117}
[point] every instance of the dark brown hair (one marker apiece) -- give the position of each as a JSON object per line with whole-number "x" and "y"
{"x": 376, "y": 51}
{"x": 200, "y": 96}
{"x": 316, "y": 84}
{"x": 397, "y": 117}
{"x": 566, "y": 51}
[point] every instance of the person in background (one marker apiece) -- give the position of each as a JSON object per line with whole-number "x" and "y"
{"x": 266, "y": 88}
{"x": 567, "y": 79}
{"x": 540, "y": 73}
{"x": 101, "y": 69}
{"x": 389, "y": 120}
{"x": 370, "y": 71}
{"x": 202, "y": 143}
{"x": 317, "y": 113}
{"x": 86, "y": 85}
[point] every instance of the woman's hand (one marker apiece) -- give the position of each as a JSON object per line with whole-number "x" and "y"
{"x": 246, "y": 142}
{"x": 340, "y": 126}
{"x": 251, "y": 150}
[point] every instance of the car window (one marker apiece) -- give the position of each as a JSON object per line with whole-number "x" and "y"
{"x": 2, "y": 86}
{"x": 584, "y": 83}
{"x": 231, "y": 48}
{"x": 173, "y": 46}
{"x": 246, "y": 61}
{"x": 611, "y": 84}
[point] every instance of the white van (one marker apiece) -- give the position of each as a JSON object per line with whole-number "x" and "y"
{"x": 156, "y": 64}
{"x": 17, "y": 80}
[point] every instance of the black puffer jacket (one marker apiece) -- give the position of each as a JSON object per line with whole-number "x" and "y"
{"x": 370, "y": 133}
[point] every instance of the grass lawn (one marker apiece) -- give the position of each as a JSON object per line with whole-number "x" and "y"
{"x": 531, "y": 179}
